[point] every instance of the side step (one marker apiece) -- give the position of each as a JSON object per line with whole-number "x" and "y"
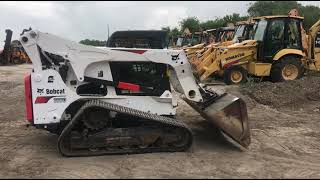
{"x": 228, "y": 113}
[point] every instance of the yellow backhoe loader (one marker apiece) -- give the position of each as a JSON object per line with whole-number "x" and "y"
{"x": 243, "y": 31}
{"x": 280, "y": 49}
{"x": 210, "y": 37}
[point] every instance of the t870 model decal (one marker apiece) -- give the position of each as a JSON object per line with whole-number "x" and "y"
{"x": 45, "y": 99}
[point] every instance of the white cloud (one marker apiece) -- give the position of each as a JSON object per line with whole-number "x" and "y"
{"x": 39, "y": 10}
{"x": 89, "y": 19}
{"x": 161, "y": 17}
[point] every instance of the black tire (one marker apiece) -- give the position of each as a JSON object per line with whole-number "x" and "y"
{"x": 227, "y": 75}
{"x": 277, "y": 68}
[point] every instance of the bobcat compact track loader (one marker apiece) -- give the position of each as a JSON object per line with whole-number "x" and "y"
{"x": 119, "y": 100}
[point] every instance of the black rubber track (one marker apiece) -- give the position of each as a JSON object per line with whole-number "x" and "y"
{"x": 65, "y": 150}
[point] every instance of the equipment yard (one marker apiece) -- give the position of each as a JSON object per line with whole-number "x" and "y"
{"x": 285, "y": 132}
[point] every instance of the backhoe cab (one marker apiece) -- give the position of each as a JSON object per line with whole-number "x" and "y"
{"x": 279, "y": 43}
{"x": 244, "y": 30}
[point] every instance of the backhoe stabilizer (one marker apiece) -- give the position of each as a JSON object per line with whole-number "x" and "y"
{"x": 229, "y": 114}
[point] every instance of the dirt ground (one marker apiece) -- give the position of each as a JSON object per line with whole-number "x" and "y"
{"x": 285, "y": 128}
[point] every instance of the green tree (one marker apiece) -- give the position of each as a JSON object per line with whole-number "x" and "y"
{"x": 174, "y": 32}
{"x": 212, "y": 24}
{"x": 167, "y": 28}
{"x": 263, "y": 8}
{"x": 93, "y": 42}
{"x": 311, "y": 15}
{"x": 192, "y": 23}
{"x": 233, "y": 18}
{"x": 222, "y": 22}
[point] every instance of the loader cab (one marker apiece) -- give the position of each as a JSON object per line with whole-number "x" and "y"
{"x": 197, "y": 38}
{"x": 210, "y": 36}
{"x": 147, "y": 74}
{"x": 221, "y": 34}
{"x": 274, "y": 33}
{"x": 243, "y": 32}
{"x": 190, "y": 40}
{"x": 224, "y": 34}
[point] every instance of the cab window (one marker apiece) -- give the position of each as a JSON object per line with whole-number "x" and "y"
{"x": 294, "y": 39}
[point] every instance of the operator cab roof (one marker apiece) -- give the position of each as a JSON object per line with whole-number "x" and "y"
{"x": 220, "y": 29}
{"x": 210, "y": 30}
{"x": 226, "y": 28}
{"x": 139, "y": 33}
{"x": 278, "y": 16}
{"x": 156, "y": 38}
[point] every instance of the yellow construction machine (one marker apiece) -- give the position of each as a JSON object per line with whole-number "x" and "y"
{"x": 222, "y": 35}
{"x": 280, "y": 49}
{"x": 13, "y": 52}
{"x": 243, "y": 31}
{"x": 18, "y": 55}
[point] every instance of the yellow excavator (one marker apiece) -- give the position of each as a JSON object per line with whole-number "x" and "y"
{"x": 280, "y": 49}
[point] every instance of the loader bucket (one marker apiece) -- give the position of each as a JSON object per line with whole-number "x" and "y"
{"x": 229, "y": 114}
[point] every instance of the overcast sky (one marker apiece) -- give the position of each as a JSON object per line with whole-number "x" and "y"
{"x": 81, "y": 20}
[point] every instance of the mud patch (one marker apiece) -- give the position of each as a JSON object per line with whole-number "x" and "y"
{"x": 7, "y": 85}
{"x": 285, "y": 143}
{"x": 290, "y": 94}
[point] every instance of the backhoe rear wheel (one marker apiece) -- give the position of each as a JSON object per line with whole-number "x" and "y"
{"x": 235, "y": 75}
{"x": 286, "y": 69}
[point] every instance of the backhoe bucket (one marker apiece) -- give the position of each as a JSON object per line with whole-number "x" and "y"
{"x": 229, "y": 113}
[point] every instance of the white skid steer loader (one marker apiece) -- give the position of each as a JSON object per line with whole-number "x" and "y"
{"x": 119, "y": 100}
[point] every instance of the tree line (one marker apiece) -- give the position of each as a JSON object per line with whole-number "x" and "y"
{"x": 259, "y": 8}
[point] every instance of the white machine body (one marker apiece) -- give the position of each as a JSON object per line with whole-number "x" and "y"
{"x": 50, "y": 95}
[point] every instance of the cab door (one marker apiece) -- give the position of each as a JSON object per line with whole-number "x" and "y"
{"x": 274, "y": 39}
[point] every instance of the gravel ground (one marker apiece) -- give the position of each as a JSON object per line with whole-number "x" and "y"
{"x": 284, "y": 121}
